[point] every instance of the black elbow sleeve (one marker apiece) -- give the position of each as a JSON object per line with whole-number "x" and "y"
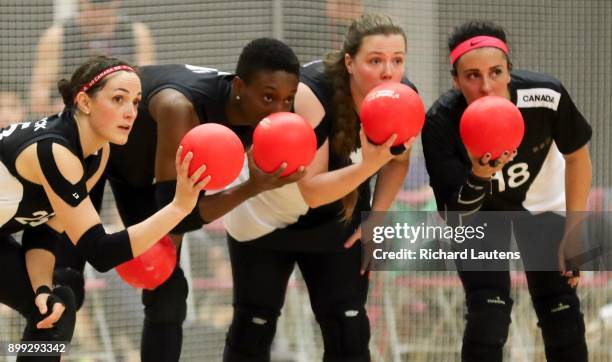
{"x": 164, "y": 193}
{"x": 105, "y": 251}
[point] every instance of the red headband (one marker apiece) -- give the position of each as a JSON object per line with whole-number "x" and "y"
{"x": 103, "y": 74}
{"x": 477, "y": 42}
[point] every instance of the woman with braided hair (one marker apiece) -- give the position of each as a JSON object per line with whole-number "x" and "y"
{"x": 314, "y": 222}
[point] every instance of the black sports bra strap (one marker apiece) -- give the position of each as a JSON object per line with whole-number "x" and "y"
{"x": 71, "y": 194}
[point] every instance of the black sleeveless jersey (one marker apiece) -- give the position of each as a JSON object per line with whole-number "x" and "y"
{"x": 23, "y": 203}
{"x": 534, "y": 180}
{"x": 312, "y": 74}
{"x": 206, "y": 88}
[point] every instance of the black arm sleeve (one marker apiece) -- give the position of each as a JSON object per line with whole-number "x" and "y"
{"x": 471, "y": 195}
{"x": 40, "y": 237}
{"x": 449, "y": 168}
{"x": 105, "y": 251}
{"x": 164, "y": 193}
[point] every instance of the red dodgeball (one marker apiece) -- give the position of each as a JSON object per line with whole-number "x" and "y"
{"x": 219, "y": 148}
{"x": 283, "y": 137}
{"x": 392, "y": 108}
{"x": 491, "y": 124}
{"x": 151, "y": 268}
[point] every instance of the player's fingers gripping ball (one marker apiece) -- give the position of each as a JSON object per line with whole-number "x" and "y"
{"x": 491, "y": 124}
{"x": 283, "y": 137}
{"x": 151, "y": 268}
{"x": 392, "y": 108}
{"x": 219, "y": 148}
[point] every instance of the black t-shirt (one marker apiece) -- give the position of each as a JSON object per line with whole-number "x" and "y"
{"x": 312, "y": 74}
{"x": 534, "y": 180}
{"x": 23, "y": 203}
{"x": 206, "y": 88}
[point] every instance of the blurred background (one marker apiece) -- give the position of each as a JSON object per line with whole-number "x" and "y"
{"x": 416, "y": 316}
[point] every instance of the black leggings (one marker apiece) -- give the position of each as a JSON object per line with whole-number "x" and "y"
{"x": 16, "y": 289}
{"x": 539, "y": 236}
{"x": 548, "y": 290}
{"x": 261, "y": 271}
{"x": 16, "y": 292}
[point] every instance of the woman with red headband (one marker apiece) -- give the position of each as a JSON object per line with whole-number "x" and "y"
{"x": 529, "y": 178}
{"x": 47, "y": 168}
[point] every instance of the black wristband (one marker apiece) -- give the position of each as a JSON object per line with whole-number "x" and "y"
{"x": 395, "y": 150}
{"x": 43, "y": 289}
{"x": 481, "y": 181}
{"x": 398, "y": 150}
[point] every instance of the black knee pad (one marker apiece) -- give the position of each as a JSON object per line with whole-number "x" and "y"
{"x": 72, "y": 279}
{"x": 250, "y": 335}
{"x": 168, "y": 302}
{"x": 346, "y": 334}
{"x": 487, "y": 325}
{"x": 563, "y": 329}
